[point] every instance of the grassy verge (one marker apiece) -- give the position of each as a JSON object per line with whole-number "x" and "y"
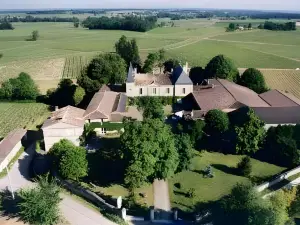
{"x": 212, "y": 189}
{"x": 3, "y": 173}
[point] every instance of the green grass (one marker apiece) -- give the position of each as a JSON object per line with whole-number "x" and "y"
{"x": 109, "y": 126}
{"x": 3, "y": 173}
{"x": 211, "y": 189}
{"x": 21, "y": 115}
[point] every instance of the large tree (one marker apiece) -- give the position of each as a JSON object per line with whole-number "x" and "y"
{"x": 217, "y": 122}
{"x": 20, "y": 88}
{"x": 171, "y": 64}
{"x": 129, "y": 51}
{"x": 78, "y": 95}
{"x": 222, "y": 67}
{"x": 151, "y": 62}
{"x": 152, "y": 107}
{"x": 185, "y": 151}
{"x": 69, "y": 159}
{"x": 250, "y": 135}
{"x": 40, "y": 205}
{"x": 244, "y": 206}
{"x": 149, "y": 151}
{"x": 106, "y": 68}
{"x": 197, "y": 75}
{"x": 253, "y": 79}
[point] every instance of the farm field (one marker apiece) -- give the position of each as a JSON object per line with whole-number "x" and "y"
{"x": 211, "y": 189}
{"x": 20, "y": 115}
{"x": 63, "y": 50}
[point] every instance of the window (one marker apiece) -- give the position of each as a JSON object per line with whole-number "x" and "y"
{"x": 141, "y": 91}
{"x": 154, "y": 91}
{"x": 168, "y": 90}
{"x": 183, "y": 90}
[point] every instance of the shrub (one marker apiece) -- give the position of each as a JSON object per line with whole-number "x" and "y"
{"x": 191, "y": 193}
{"x": 244, "y": 166}
{"x": 216, "y": 121}
{"x": 253, "y": 79}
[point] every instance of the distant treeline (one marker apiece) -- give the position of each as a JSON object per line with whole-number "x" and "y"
{"x": 279, "y": 26}
{"x": 275, "y": 15}
{"x": 95, "y": 12}
{"x": 131, "y": 23}
{"x": 47, "y": 12}
{"x": 182, "y": 16}
{"x": 38, "y": 19}
{"x": 6, "y": 26}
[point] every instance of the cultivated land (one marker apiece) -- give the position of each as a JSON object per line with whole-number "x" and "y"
{"x": 211, "y": 189}
{"x": 20, "y": 115}
{"x": 62, "y": 50}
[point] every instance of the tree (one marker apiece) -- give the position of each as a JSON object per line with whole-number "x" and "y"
{"x": 150, "y": 62}
{"x": 250, "y": 135}
{"x": 152, "y": 108}
{"x": 76, "y": 24}
{"x": 171, "y": 64}
{"x": 78, "y": 95}
{"x": 69, "y": 159}
{"x": 20, "y": 88}
{"x": 185, "y": 151}
{"x": 244, "y": 206}
{"x": 6, "y": 26}
{"x": 106, "y": 68}
{"x": 196, "y": 133}
{"x": 35, "y": 35}
{"x": 222, "y": 67}
{"x": 216, "y": 121}
{"x": 244, "y": 166}
{"x": 197, "y": 75}
{"x": 40, "y": 205}
{"x": 231, "y": 27}
{"x": 149, "y": 151}
{"x": 161, "y": 58}
{"x": 64, "y": 94}
{"x": 1, "y": 55}
{"x": 73, "y": 164}
{"x": 129, "y": 51}
{"x": 249, "y": 26}
{"x": 253, "y": 79}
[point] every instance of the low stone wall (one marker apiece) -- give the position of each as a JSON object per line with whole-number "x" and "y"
{"x": 279, "y": 178}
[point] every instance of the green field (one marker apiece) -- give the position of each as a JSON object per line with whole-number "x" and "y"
{"x": 211, "y": 189}
{"x": 21, "y": 115}
{"x": 63, "y": 50}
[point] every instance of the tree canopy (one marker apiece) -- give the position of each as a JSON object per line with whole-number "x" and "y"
{"x": 250, "y": 134}
{"x": 222, "y": 67}
{"x": 156, "y": 59}
{"x": 152, "y": 107}
{"x": 6, "y": 26}
{"x": 129, "y": 51}
{"x": 253, "y": 79}
{"x": 149, "y": 151}
{"x": 216, "y": 121}
{"x": 171, "y": 64}
{"x": 78, "y": 95}
{"x": 185, "y": 151}
{"x": 69, "y": 159}
{"x": 197, "y": 75}
{"x": 106, "y": 68}
{"x": 244, "y": 206}
{"x": 40, "y": 205}
{"x": 20, "y": 88}
{"x": 132, "y": 23}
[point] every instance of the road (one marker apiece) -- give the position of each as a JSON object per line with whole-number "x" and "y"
{"x": 161, "y": 195}
{"x": 73, "y": 211}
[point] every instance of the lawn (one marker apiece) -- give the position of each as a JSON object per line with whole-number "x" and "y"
{"x": 21, "y": 115}
{"x": 211, "y": 189}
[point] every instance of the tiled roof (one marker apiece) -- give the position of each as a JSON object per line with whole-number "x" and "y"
{"x": 104, "y": 103}
{"x": 279, "y": 99}
{"x": 243, "y": 95}
{"x": 278, "y": 115}
{"x": 10, "y": 141}
{"x": 148, "y": 79}
{"x": 69, "y": 115}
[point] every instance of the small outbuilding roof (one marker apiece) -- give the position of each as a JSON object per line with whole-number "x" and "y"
{"x": 278, "y": 115}
{"x": 10, "y": 141}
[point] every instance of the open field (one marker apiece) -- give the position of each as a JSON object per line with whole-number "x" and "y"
{"x": 62, "y": 49}
{"x": 211, "y": 189}
{"x": 21, "y": 115}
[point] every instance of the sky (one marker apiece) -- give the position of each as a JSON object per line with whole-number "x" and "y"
{"x": 291, "y": 5}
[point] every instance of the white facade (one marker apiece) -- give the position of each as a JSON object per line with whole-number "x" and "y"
{"x": 59, "y": 131}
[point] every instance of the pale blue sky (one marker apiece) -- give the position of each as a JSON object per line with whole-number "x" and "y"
{"x": 293, "y": 5}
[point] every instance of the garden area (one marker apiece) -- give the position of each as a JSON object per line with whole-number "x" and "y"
{"x": 224, "y": 178}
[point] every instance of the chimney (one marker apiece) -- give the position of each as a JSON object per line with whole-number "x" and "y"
{"x": 55, "y": 108}
{"x": 186, "y": 67}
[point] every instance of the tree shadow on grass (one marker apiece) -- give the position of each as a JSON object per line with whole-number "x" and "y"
{"x": 225, "y": 169}
{"x": 9, "y": 206}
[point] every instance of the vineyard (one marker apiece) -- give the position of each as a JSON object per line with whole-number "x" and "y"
{"x": 21, "y": 115}
{"x": 284, "y": 80}
{"x": 74, "y": 65}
